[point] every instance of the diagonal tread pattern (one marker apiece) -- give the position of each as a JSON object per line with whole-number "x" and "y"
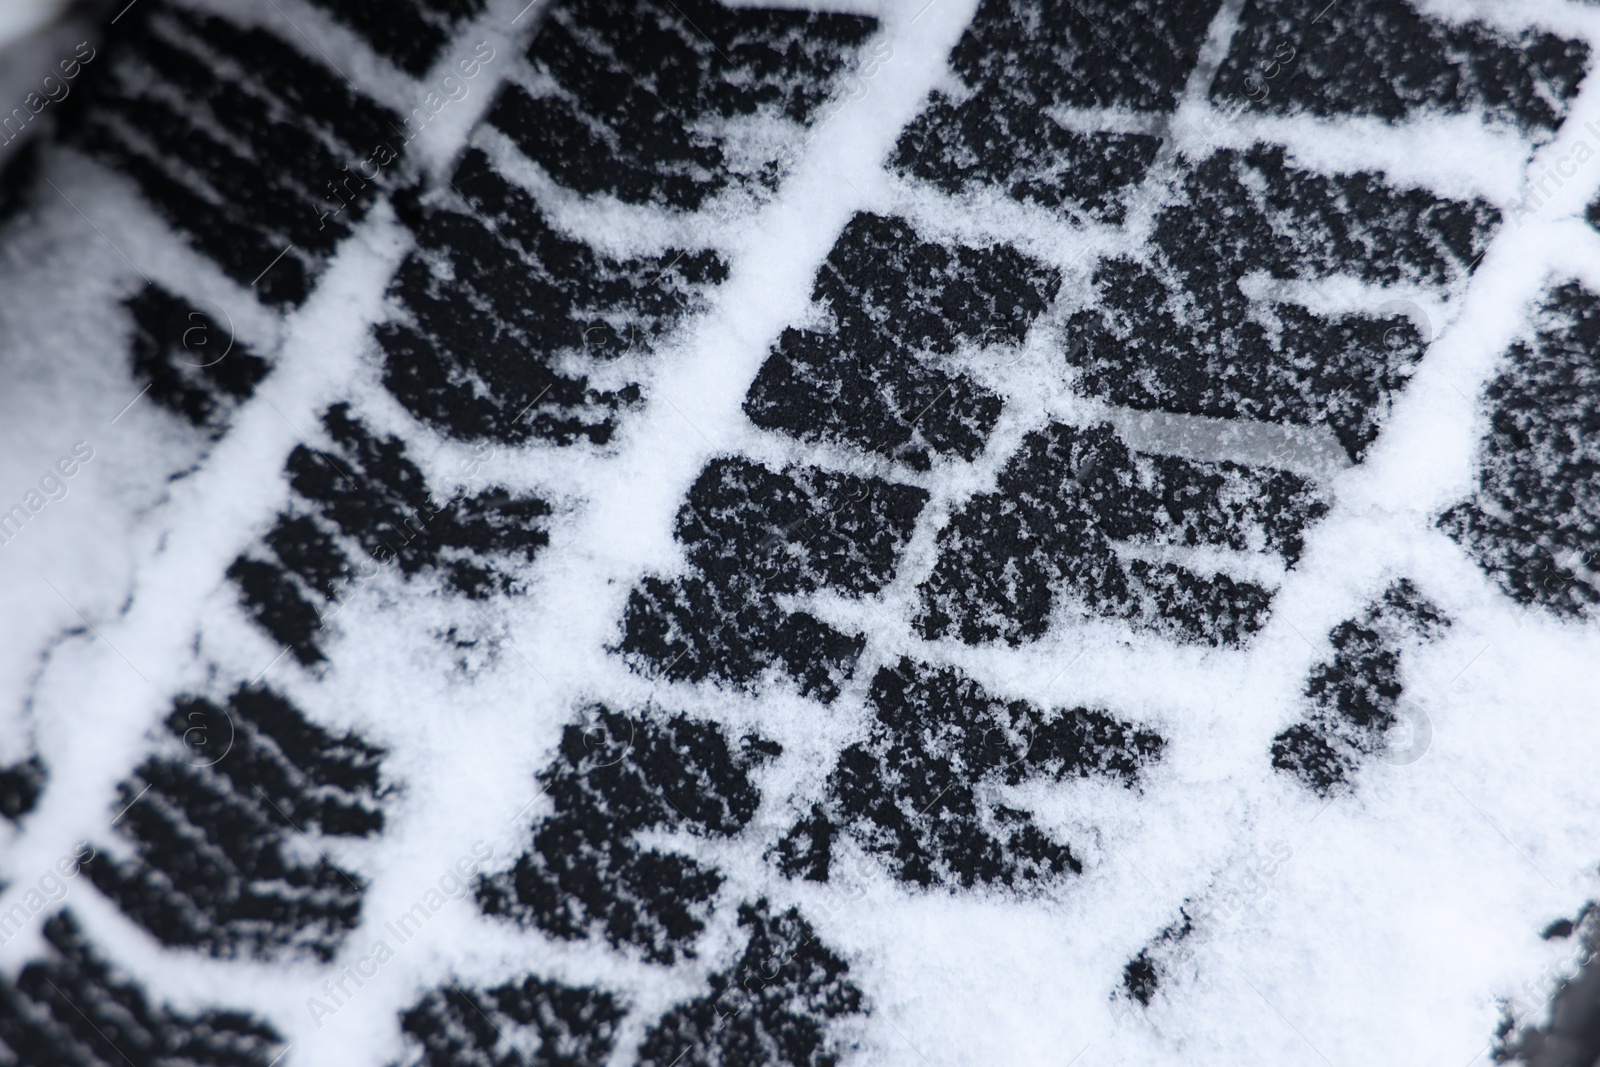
{"x": 362, "y": 504}
{"x": 1049, "y": 536}
{"x": 1533, "y": 522}
{"x": 559, "y": 1025}
{"x": 507, "y": 317}
{"x": 894, "y": 300}
{"x": 916, "y": 792}
{"x": 247, "y": 97}
{"x": 1020, "y": 61}
{"x": 1392, "y": 61}
{"x": 646, "y": 99}
{"x": 618, "y": 775}
{"x": 1179, "y": 333}
{"x": 74, "y": 1009}
{"x": 218, "y": 834}
{"x": 753, "y": 535}
{"x": 774, "y": 1005}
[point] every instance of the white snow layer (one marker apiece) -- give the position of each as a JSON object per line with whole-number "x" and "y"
{"x": 1393, "y": 921}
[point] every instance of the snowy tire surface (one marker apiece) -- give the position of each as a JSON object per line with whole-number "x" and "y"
{"x": 824, "y": 532}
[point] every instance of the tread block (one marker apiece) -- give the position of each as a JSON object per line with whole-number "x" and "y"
{"x": 507, "y": 316}
{"x": 752, "y": 535}
{"x": 650, "y": 101}
{"x": 617, "y": 775}
{"x": 1533, "y": 520}
{"x": 20, "y": 786}
{"x": 1390, "y": 61}
{"x": 1354, "y": 695}
{"x": 268, "y": 162}
{"x": 894, "y": 298}
{"x": 926, "y": 296}
{"x": 1177, "y": 333}
{"x": 983, "y": 142}
{"x": 818, "y": 386}
{"x": 1084, "y": 53}
{"x": 914, "y": 793}
{"x": 1063, "y": 502}
{"x": 218, "y": 833}
{"x": 363, "y": 503}
{"x": 752, "y": 635}
{"x": 195, "y": 368}
{"x": 1020, "y": 59}
{"x": 774, "y": 1005}
{"x": 1210, "y": 608}
{"x": 373, "y": 494}
{"x": 73, "y": 1009}
{"x": 511, "y": 1025}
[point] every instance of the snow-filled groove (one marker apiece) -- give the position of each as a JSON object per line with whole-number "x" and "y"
{"x": 902, "y": 533}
